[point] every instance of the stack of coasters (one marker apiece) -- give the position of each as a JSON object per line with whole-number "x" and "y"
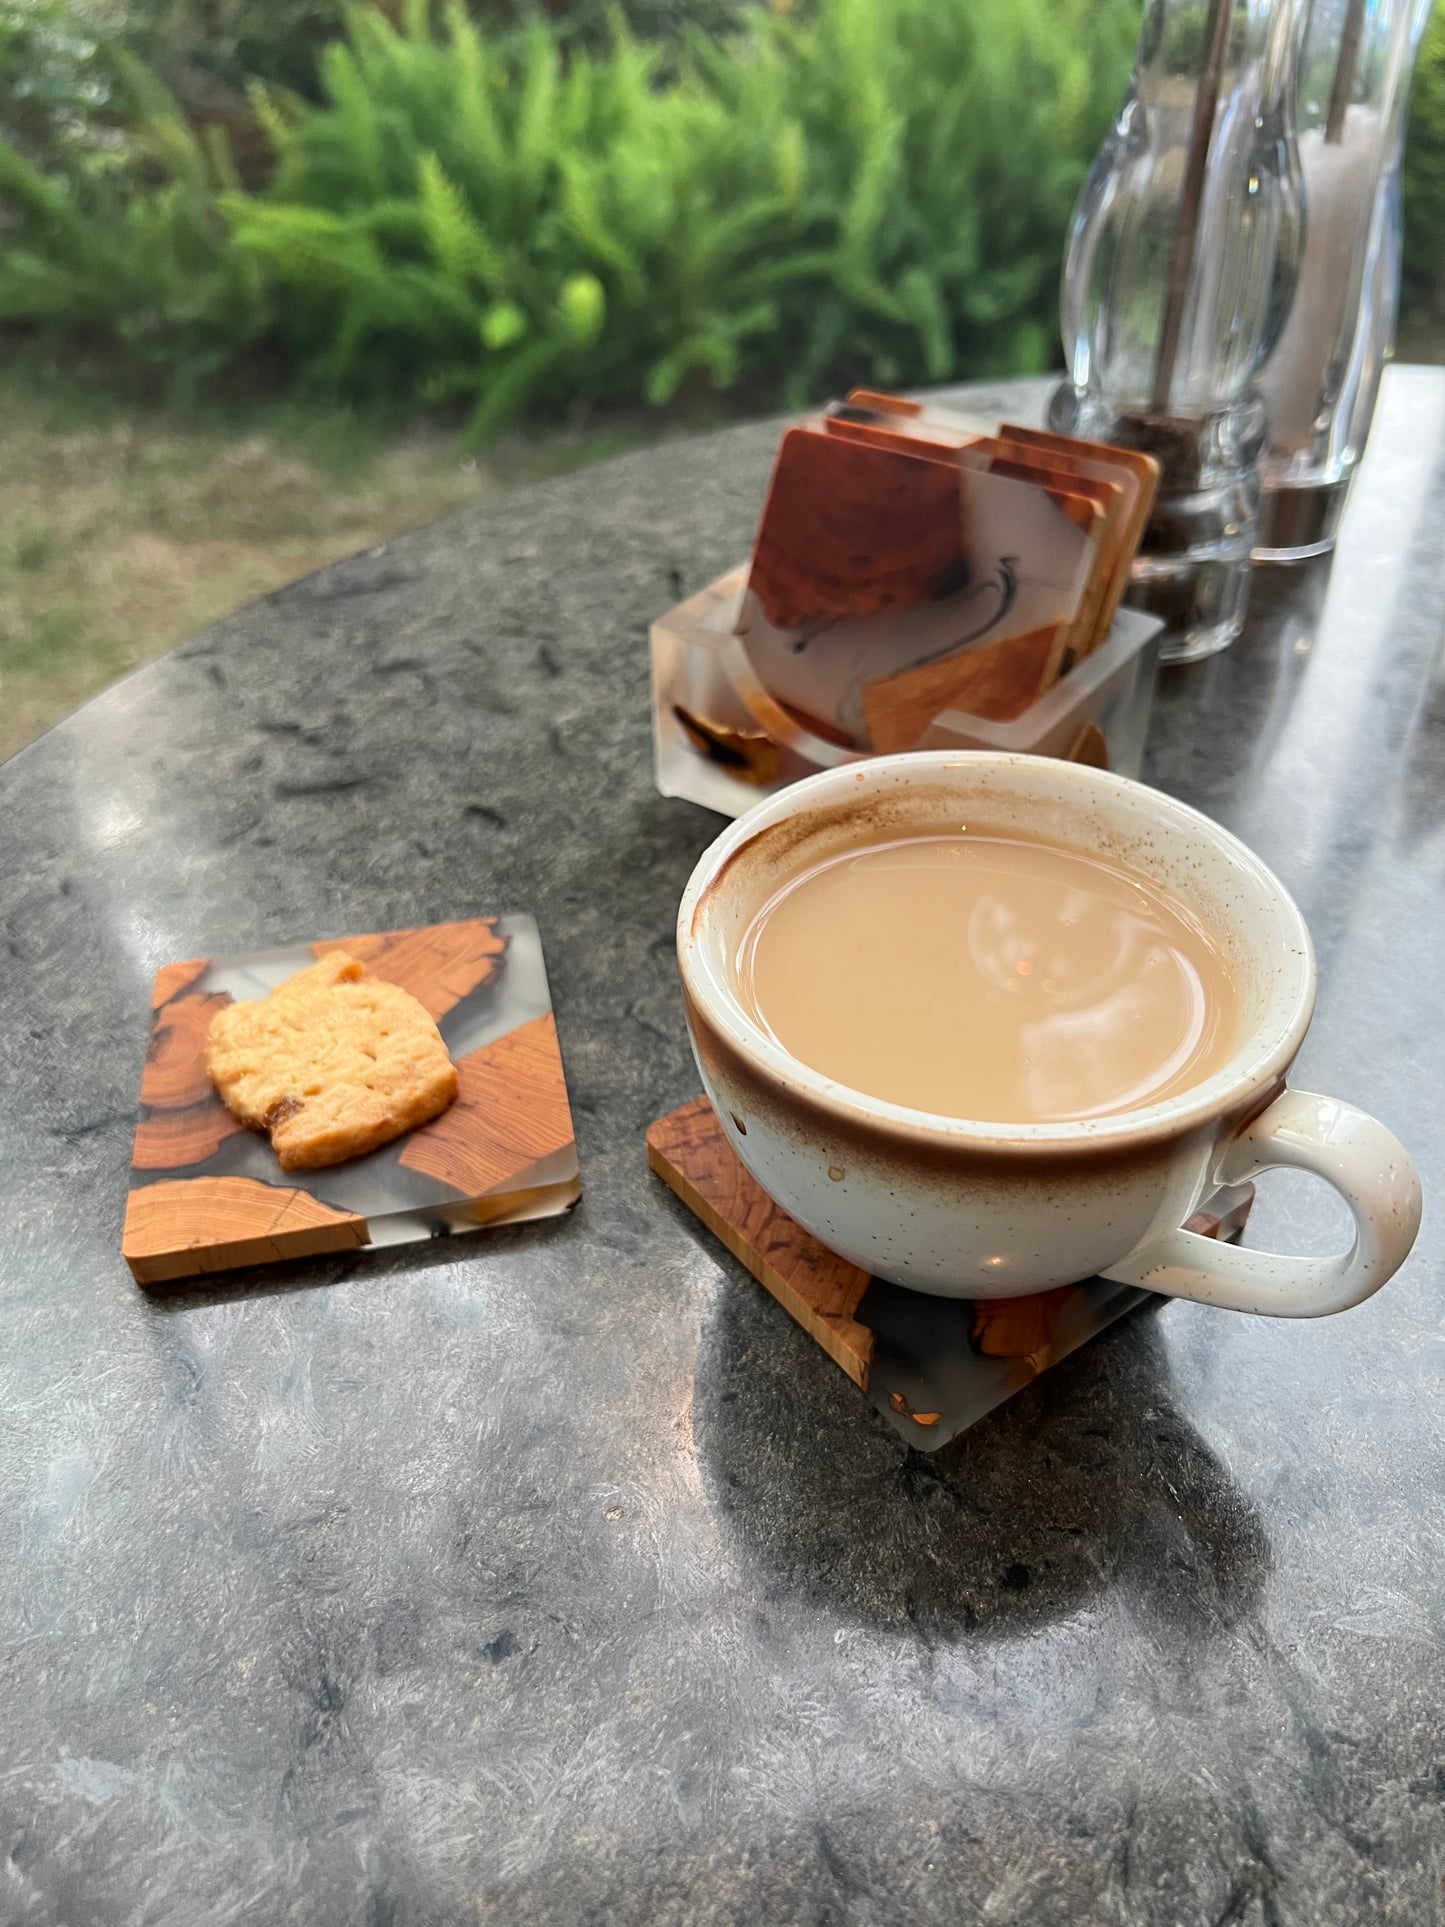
{"x": 918, "y": 581}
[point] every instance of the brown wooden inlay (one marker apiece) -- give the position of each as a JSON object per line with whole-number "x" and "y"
{"x": 885, "y": 404}
{"x": 182, "y": 1121}
{"x": 175, "y": 1066}
{"x": 1016, "y": 1327}
{"x": 183, "y": 1226}
{"x": 510, "y": 1111}
{"x": 171, "y": 978}
{"x": 689, "y": 1152}
{"x": 170, "y": 1140}
{"x": 439, "y": 965}
{"x": 1145, "y": 473}
{"x": 997, "y": 680}
{"x": 849, "y": 530}
{"x": 750, "y": 755}
{"x": 1089, "y": 747}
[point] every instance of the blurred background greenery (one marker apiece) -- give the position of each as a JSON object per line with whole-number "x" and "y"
{"x": 279, "y": 277}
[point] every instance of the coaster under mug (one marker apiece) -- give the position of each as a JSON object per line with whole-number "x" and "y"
{"x": 967, "y": 1208}
{"x": 932, "y": 1366}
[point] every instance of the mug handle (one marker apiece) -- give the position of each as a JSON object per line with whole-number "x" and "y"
{"x": 1366, "y": 1164}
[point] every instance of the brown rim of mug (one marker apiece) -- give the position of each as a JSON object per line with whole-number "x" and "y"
{"x": 1253, "y": 1077}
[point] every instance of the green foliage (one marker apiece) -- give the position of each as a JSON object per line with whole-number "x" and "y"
{"x": 200, "y": 46}
{"x": 231, "y": 40}
{"x": 490, "y": 204}
{"x": 146, "y": 260}
{"x": 865, "y": 191}
{"x": 58, "y": 97}
{"x": 854, "y": 191}
{"x": 1424, "y": 175}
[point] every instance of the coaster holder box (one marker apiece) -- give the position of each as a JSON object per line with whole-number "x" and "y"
{"x": 712, "y": 746}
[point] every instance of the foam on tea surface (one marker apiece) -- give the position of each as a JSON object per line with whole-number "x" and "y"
{"x": 991, "y": 978}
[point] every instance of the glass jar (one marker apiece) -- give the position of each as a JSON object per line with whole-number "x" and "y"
{"x": 1178, "y": 274}
{"x": 1321, "y": 381}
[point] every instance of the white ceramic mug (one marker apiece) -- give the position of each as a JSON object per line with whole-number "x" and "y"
{"x": 971, "y": 1210}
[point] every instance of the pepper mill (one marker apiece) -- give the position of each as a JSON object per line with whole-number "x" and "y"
{"x": 1180, "y": 267}
{"x": 1321, "y": 382}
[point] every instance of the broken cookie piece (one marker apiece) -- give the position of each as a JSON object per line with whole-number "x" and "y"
{"x": 333, "y": 1063}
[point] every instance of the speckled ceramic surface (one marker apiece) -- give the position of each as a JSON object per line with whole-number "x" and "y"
{"x": 556, "y": 1577}
{"x": 970, "y": 1209}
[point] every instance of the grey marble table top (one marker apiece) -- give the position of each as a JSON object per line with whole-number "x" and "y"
{"x": 556, "y": 1577}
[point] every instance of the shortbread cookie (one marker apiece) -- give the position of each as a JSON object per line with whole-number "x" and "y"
{"x": 333, "y": 1063}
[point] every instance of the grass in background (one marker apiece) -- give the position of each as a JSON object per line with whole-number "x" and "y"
{"x": 836, "y": 191}
{"x": 123, "y": 530}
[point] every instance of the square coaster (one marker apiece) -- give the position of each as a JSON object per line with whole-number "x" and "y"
{"x": 932, "y": 1366}
{"x": 207, "y": 1195}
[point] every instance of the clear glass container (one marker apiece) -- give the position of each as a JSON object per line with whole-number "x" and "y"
{"x": 1179, "y": 271}
{"x": 1322, "y": 379}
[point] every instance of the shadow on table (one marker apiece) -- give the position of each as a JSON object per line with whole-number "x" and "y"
{"x": 1088, "y": 1480}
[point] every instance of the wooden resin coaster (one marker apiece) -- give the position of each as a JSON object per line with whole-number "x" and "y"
{"x": 207, "y": 1195}
{"x": 932, "y": 1366}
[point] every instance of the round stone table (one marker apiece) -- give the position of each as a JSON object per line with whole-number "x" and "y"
{"x": 554, "y": 1575}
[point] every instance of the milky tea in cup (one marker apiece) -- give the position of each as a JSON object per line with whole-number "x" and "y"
{"x": 989, "y": 976}
{"x": 987, "y": 1024}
